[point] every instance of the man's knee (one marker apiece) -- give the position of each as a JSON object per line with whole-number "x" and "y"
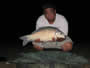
{"x": 67, "y": 46}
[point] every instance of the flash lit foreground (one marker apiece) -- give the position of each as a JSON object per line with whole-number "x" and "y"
{"x": 4, "y": 65}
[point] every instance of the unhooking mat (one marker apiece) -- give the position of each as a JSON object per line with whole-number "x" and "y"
{"x": 50, "y": 57}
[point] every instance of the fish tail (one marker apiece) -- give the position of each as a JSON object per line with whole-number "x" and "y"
{"x": 25, "y": 40}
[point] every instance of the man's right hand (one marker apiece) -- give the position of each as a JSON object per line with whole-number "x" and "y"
{"x": 37, "y": 40}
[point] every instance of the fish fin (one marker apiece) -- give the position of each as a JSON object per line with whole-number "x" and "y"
{"x": 25, "y": 40}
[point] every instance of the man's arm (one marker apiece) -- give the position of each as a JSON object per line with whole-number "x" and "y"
{"x": 39, "y": 23}
{"x": 64, "y": 25}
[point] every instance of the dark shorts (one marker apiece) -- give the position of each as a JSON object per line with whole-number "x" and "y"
{"x": 52, "y": 44}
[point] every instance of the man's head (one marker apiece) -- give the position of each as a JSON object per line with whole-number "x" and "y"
{"x": 49, "y": 12}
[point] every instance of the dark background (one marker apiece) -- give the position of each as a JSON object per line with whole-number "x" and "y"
{"x": 19, "y": 18}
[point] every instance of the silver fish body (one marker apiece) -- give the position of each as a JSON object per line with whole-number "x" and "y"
{"x": 44, "y": 34}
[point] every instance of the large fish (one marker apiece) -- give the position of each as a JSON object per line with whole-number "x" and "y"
{"x": 44, "y": 34}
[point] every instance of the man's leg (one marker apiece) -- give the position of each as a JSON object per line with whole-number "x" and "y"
{"x": 35, "y": 45}
{"x": 38, "y": 47}
{"x": 67, "y": 44}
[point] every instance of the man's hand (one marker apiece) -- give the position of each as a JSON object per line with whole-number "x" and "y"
{"x": 37, "y": 40}
{"x": 60, "y": 39}
{"x": 53, "y": 39}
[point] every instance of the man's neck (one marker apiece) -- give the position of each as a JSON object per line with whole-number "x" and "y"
{"x": 51, "y": 22}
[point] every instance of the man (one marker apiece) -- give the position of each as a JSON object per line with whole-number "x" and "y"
{"x": 51, "y": 18}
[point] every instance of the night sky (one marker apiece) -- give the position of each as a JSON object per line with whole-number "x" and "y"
{"x": 19, "y": 18}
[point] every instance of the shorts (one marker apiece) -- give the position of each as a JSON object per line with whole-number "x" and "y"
{"x": 52, "y": 44}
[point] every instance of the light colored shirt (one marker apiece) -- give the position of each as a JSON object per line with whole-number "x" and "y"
{"x": 60, "y": 23}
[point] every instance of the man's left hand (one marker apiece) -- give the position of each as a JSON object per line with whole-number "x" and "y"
{"x": 60, "y": 39}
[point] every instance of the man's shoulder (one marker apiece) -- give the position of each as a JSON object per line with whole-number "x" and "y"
{"x": 41, "y": 19}
{"x": 59, "y": 15}
{"x": 42, "y": 16}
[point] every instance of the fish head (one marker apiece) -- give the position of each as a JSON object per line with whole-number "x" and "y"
{"x": 59, "y": 35}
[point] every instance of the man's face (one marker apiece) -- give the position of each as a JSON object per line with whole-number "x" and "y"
{"x": 50, "y": 14}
